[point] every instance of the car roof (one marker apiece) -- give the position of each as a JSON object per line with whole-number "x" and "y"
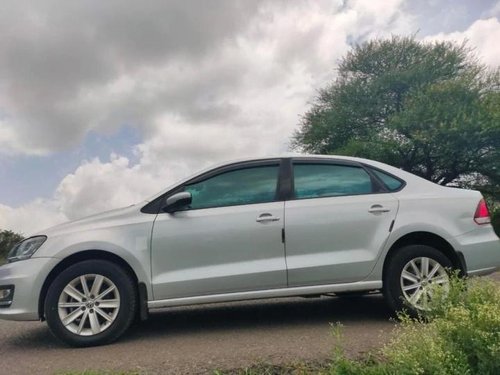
{"x": 292, "y": 156}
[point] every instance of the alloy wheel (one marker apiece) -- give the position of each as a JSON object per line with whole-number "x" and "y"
{"x": 419, "y": 279}
{"x": 88, "y": 304}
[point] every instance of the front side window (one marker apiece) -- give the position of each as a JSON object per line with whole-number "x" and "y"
{"x": 329, "y": 180}
{"x": 243, "y": 186}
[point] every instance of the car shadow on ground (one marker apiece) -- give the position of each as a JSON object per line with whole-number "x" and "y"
{"x": 237, "y": 316}
{"x": 254, "y": 315}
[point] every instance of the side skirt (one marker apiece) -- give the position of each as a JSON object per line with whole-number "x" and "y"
{"x": 268, "y": 293}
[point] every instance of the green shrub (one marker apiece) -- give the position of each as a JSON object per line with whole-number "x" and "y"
{"x": 7, "y": 240}
{"x": 495, "y": 220}
{"x": 460, "y": 336}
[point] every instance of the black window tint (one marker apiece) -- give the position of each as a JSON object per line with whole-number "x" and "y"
{"x": 242, "y": 186}
{"x": 389, "y": 181}
{"x": 326, "y": 180}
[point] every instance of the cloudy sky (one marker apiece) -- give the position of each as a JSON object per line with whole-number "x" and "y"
{"x": 103, "y": 103}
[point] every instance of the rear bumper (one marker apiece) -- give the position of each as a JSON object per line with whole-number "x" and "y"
{"x": 480, "y": 249}
{"x": 27, "y": 277}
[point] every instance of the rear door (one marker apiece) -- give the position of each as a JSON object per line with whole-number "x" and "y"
{"x": 336, "y": 223}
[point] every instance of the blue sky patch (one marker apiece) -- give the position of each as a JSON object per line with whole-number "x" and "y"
{"x": 25, "y": 178}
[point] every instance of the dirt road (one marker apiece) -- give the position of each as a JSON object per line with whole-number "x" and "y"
{"x": 202, "y": 338}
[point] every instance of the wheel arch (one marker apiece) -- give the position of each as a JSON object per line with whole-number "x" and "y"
{"x": 428, "y": 239}
{"x": 78, "y": 257}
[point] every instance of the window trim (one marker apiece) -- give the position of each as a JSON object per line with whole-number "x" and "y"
{"x": 155, "y": 206}
{"x": 286, "y": 179}
{"x": 377, "y": 186}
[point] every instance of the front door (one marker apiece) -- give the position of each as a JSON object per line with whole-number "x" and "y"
{"x": 228, "y": 240}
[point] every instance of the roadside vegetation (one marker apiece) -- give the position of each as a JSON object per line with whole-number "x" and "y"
{"x": 460, "y": 336}
{"x": 8, "y": 239}
{"x": 495, "y": 220}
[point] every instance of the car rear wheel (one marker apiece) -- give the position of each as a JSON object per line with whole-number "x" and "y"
{"x": 411, "y": 276}
{"x": 91, "y": 303}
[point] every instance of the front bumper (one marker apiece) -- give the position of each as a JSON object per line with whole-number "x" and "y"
{"x": 27, "y": 277}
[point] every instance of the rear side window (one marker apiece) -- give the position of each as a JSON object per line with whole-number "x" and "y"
{"x": 329, "y": 180}
{"x": 389, "y": 181}
{"x": 242, "y": 186}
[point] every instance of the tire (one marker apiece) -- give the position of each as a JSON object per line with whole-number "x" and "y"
{"x": 106, "y": 312}
{"x": 416, "y": 294}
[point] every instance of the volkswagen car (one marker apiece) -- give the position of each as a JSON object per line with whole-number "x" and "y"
{"x": 250, "y": 229}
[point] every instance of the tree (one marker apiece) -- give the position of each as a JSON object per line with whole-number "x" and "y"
{"x": 8, "y": 239}
{"x": 429, "y": 108}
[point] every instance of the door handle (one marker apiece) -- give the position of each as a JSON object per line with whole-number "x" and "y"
{"x": 377, "y": 209}
{"x": 265, "y": 218}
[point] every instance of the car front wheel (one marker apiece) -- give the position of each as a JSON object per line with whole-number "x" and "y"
{"x": 90, "y": 303}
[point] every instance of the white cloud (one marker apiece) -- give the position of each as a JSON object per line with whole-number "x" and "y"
{"x": 52, "y": 51}
{"x": 32, "y": 216}
{"x": 67, "y": 67}
{"x": 483, "y": 35}
{"x": 97, "y": 186}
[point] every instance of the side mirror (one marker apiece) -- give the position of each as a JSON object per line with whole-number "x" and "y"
{"x": 177, "y": 201}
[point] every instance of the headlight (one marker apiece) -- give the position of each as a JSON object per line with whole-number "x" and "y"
{"x": 26, "y": 248}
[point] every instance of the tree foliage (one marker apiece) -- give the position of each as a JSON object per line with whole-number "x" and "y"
{"x": 8, "y": 239}
{"x": 429, "y": 108}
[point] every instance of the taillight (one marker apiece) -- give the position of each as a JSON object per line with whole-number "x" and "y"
{"x": 482, "y": 215}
